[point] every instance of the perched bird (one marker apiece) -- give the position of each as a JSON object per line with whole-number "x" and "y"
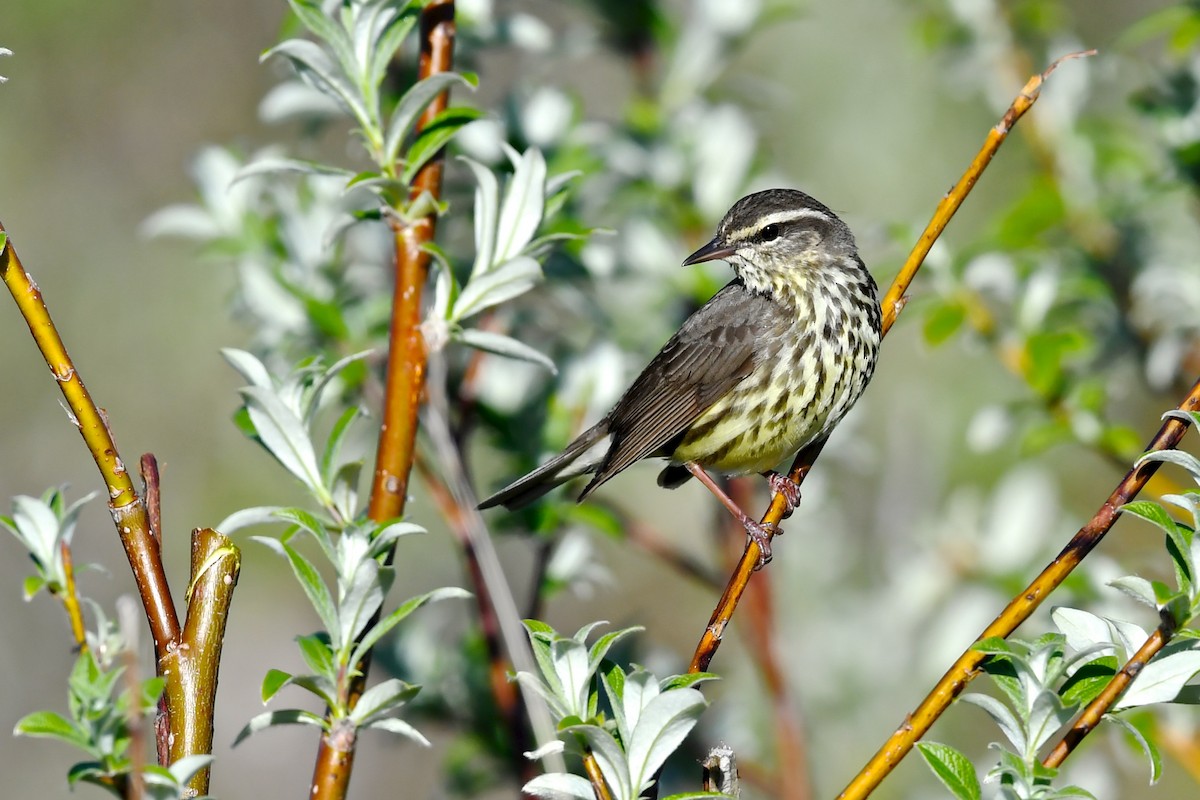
{"x": 765, "y": 368}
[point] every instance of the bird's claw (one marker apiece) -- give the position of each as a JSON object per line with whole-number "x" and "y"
{"x": 761, "y": 535}
{"x": 787, "y": 488}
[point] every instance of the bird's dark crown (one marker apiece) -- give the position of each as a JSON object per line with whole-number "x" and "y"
{"x": 780, "y": 213}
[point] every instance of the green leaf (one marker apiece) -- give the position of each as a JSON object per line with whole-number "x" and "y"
{"x": 524, "y": 204}
{"x": 410, "y": 106}
{"x": 943, "y": 321}
{"x": 511, "y": 279}
{"x": 433, "y": 137}
{"x": 953, "y": 769}
{"x": 1087, "y": 682}
{"x": 270, "y": 719}
{"x": 275, "y": 680}
{"x": 398, "y": 726}
{"x": 284, "y": 436}
{"x": 318, "y": 655}
{"x": 318, "y": 70}
{"x": 315, "y": 588}
{"x": 51, "y": 725}
{"x": 382, "y": 698}
{"x": 1148, "y": 746}
{"x": 502, "y": 345}
{"x": 396, "y": 617}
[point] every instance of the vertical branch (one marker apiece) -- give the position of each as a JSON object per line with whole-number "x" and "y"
{"x": 406, "y": 365}
{"x": 191, "y": 696}
{"x": 406, "y": 350}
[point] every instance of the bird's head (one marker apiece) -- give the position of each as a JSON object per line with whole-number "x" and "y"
{"x": 779, "y": 239}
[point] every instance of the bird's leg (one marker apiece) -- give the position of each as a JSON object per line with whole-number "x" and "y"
{"x": 761, "y": 534}
{"x": 787, "y": 488}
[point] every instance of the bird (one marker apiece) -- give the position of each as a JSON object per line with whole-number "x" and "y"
{"x": 764, "y": 369}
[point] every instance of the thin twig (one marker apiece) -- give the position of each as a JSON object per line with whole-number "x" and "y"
{"x": 70, "y": 599}
{"x": 497, "y": 604}
{"x": 592, "y": 768}
{"x": 892, "y": 303}
{"x": 1018, "y": 610}
{"x": 127, "y": 509}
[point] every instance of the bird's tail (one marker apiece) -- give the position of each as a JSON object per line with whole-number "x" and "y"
{"x": 581, "y": 457}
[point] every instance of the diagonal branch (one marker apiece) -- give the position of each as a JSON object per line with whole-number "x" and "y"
{"x": 1091, "y": 716}
{"x": 126, "y": 507}
{"x": 892, "y": 303}
{"x": 1019, "y": 609}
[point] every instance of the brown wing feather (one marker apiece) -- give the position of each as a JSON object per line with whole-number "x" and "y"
{"x": 708, "y": 356}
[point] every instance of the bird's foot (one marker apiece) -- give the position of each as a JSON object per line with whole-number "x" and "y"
{"x": 761, "y": 535}
{"x": 785, "y": 487}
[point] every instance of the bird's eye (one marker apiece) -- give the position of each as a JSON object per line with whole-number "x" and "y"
{"x": 769, "y": 233}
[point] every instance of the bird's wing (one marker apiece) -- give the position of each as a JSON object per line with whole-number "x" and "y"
{"x": 708, "y": 356}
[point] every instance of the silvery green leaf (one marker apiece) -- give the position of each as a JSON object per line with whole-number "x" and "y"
{"x": 529, "y": 682}
{"x": 326, "y": 29}
{"x": 362, "y": 598}
{"x": 1002, "y": 716}
{"x": 1136, "y": 587}
{"x": 382, "y": 698}
{"x": 387, "y": 534}
{"x": 292, "y": 100}
{"x": 284, "y": 436}
{"x": 1148, "y": 747}
{"x": 397, "y": 726}
{"x": 640, "y": 689}
{"x": 315, "y": 68}
{"x": 269, "y": 166}
{"x": 492, "y": 288}
{"x": 331, "y": 456}
{"x": 248, "y": 366}
{"x": 186, "y": 767}
{"x": 1082, "y": 628}
{"x": 385, "y": 33}
{"x": 313, "y": 585}
{"x": 570, "y": 661}
{"x": 560, "y": 786}
{"x": 245, "y": 518}
{"x": 411, "y": 104}
{"x": 1178, "y": 457}
{"x": 600, "y": 649}
{"x": 487, "y": 212}
{"x": 1161, "y": 679}
{"x": 502, "y": 345}
{"x": 318, "y": 388}
{"x": 662, "y": 726}
{"x": 396, "y": 617}
{"x": 445, "y": 292}
{"x": 1047, "y": 715}
{"x": 272, "y": 718}
{"x": 524, "y": 200}
{"x": 185, "y": 220}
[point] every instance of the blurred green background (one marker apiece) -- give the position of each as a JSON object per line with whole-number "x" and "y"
{"x": 106, "y": 104}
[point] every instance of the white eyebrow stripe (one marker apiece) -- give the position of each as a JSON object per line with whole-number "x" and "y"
{"x": 779, "y": 218}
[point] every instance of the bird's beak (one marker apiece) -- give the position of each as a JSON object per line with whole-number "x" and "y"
{"x": 710, "y": 252}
